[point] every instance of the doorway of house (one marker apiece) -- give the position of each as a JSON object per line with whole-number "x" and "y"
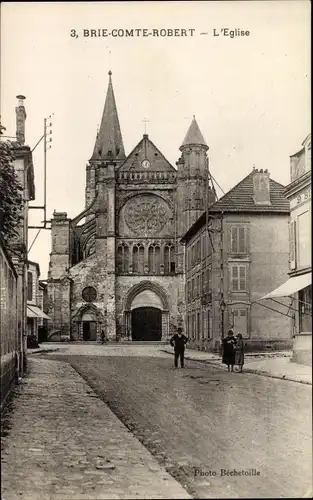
{"x": 146, "y": 324}
{"x": 89, "y": 331}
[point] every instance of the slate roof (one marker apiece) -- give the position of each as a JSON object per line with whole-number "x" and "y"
{"x": 194, "y": 135}
{"x": 109, "y": 137}
{"x": 240, "y": 198}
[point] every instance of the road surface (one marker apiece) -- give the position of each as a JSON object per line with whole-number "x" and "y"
{"x": 220, "y": 434}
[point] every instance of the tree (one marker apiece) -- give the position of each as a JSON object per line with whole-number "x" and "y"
{"x": 11, "y": 200}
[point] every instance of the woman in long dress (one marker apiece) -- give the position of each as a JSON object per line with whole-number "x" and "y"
{"x": 239, "y": 354}
{"x": 228, "y": 350}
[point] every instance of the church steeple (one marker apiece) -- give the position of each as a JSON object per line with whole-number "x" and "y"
{"x": 109, "y": 141}
{"x": 194, "y": 136}
{"x": 192, "y": 178}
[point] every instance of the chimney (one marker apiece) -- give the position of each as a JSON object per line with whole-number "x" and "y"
{"x": 20, "y": 119}
{"x": 261, "y": 187}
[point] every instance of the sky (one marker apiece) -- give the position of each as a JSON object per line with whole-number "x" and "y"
{"x": 250, "y": 94}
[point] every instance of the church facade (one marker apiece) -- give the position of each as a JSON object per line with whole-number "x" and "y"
{"x": 118, "y": 266}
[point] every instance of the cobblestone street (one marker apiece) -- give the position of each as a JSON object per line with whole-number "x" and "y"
{"x": 64, "y": 443}
{"x": 198, "y": 418}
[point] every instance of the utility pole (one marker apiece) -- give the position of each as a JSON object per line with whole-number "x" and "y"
{"x": 47, "y": 131}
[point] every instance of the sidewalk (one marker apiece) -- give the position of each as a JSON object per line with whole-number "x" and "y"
{"x": 64, "y": 443}
{"x": 275, "y": 365}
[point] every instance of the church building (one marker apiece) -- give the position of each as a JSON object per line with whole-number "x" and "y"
{"x": 118, "y": 266}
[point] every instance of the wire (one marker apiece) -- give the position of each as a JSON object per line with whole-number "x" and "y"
{"x": 33, "y": 241}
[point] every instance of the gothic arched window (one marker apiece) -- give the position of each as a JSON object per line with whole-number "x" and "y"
{"x": 141, "y": 259}
{"x": 122, "y": 258}
{"x": 135, "y": 259}
{"x": 169, "y": 259}
{"x": 154, "y": 259}
{"x": 138, "y": 258}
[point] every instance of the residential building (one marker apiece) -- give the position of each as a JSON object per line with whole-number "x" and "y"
{"x": 23, "y": 165}
{"x": 8, "y": 323}
{"x": 118, "y": 265}
{"x": 235, "y": 253}
{"x": 299, "y": 284}
{"x": 35, "y": 313}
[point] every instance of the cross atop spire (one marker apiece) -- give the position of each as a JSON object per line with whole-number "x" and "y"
{"x": 194, "y": 135}
{"x": 145, "y": 121}
{"x": 109, "y": 137}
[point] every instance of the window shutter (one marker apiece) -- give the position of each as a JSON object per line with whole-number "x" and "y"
{"x": 242, "y": 240}
{"x": 234, "y": 277}
{"x": 292, "y": 244}
{"x": 29, "y": 286}
{"x": 242, "y": 278}
{"x": 234, "y": 240}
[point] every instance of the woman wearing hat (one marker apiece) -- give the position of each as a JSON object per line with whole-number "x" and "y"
{"x": 228, "y": 350}
{"x": 239, "y": 355}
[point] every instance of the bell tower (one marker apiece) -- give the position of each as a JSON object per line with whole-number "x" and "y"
{"x": 192, "y": 178}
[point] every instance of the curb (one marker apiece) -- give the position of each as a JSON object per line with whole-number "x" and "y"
{"x": 248, "y": 370}
{"x": 42, "y": 351}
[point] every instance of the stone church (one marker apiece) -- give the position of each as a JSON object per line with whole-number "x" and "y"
{"x": 118, "y": 266}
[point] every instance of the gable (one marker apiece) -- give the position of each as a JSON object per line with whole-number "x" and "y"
{"x": 240, "y": 198}
{"x": 146, "y": 150}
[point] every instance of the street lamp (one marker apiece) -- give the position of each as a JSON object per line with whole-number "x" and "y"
{"x": 222, "y": 308}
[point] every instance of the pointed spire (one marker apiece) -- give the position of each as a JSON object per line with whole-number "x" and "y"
{"x": 109, "y": 137}
{"x": 194, "y": 135}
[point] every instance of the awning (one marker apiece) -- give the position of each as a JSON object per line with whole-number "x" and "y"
{"x": 35, "y": 312}
{"x": 291, "y": 286}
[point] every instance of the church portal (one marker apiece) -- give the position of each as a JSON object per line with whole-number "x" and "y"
{"x": 146, "y": 324}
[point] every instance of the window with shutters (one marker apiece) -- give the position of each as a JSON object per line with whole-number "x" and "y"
{"x": 203, "y": 287}
{"x": 189, "y": 325}
{"x": 204, "y": 325}
{"x": 189, "y": 258}
{"x": 210, "y": 277}
{"x": 292, "y": 244}
{"x": 238, "y": 278}
{"x": 209, "y": 321}
{"x": 29, "y": 286}
{"x": 193, "y": 326}
{"x": 304, "y": 240}
{"x": 198, "y": 250}
{"x": 189, "y": 290}
{"x": 198, "y": 326}
{"x": 238, "y": 240}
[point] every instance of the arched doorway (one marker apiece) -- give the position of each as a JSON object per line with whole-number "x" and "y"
{"x": 146, "y": 324}
{"x": 146, "y": 318}
{"x": 89, "y": 327}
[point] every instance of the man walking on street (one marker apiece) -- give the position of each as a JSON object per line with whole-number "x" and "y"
{"x": 178, "y": 341}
